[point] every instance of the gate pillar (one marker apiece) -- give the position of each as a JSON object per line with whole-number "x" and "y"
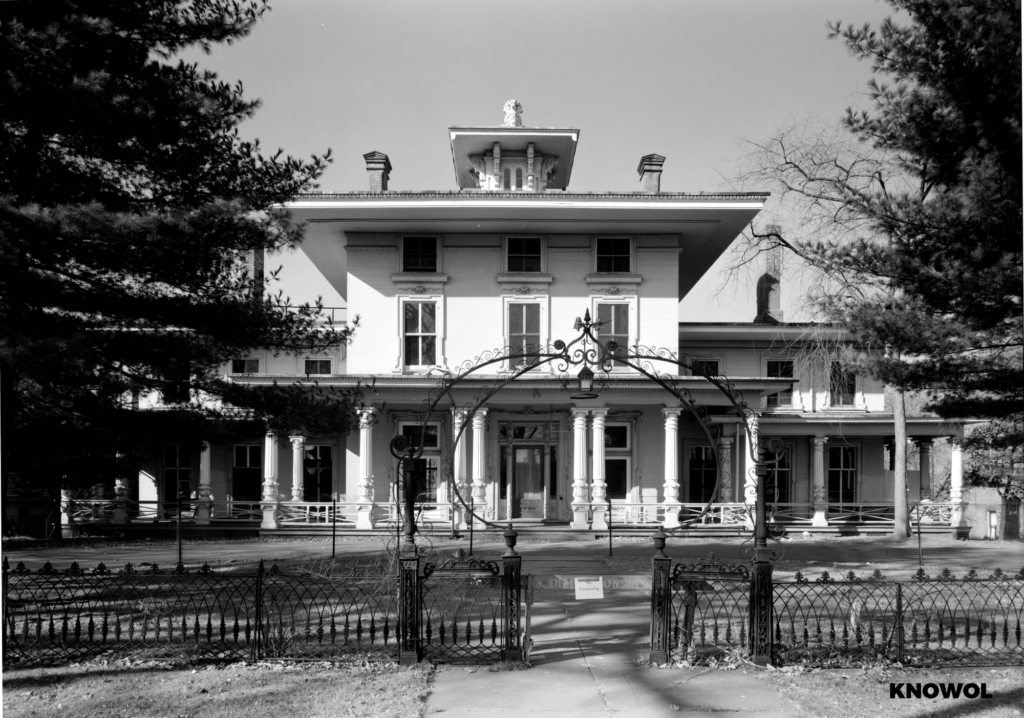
{"x": 761, "y": 604}
{"x": 512, "y": 569}
{"x": 411, "y": 605}
{"x": 661, "y": 601}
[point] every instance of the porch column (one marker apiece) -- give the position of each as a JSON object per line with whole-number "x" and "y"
{"x": 364, "y": 515}
{"x": 67, "y": 514}
{"x": 298, "y": 469}
{"x": 725, "y": 456}
{"x": 480, "y": 465}
{"x": 753, "y": 436}
{"x": 671, "y": 487}
{"x": 599, "y": 492}
{"x": 579, "y": 469}
{"x": 204, "y": 505}
{"x": 269, "y": 504}
{"x": 924, "y": 452}
{"x": 818, "y": 492}
{"x": 958, "y": 520}
{"x": 459, "y": 469}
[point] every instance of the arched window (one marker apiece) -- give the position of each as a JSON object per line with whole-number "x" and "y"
{"x": 508, "y": 180}
{"x": 519, "y": 178}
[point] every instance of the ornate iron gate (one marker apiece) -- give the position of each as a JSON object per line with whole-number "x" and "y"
{"x": 698, "y": 605}
{"x": 462, "y": 610}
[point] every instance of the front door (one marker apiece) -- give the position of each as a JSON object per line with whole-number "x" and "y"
{"x": 527, "y": 485}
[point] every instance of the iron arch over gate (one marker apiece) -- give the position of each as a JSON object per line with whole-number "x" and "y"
{"x": 587, "y": 352}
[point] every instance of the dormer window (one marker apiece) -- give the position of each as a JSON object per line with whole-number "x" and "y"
{"x": 524, "y": 254}
{"x": 613, "y": 254}
{"x": 419, "y": 254}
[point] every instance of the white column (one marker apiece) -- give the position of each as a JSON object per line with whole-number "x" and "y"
{"x": 67, "y": 510}
{"x": 961, "y": 529}
{"x": 204, "y": 507}
{"x": 599, "y": 490}
{"x": 671, "y": 486}
{"x": 725, "y": 456}
{"x": 480, "y": 465}
{"x": 364, "y": 515}
{"x": 818, "y": 491}
{"x": 120, "y": 501}
{"x": 579, "y": 469}
{"x": 269, "y": 504}
{"x": 459, "y": 469}
{"x": 924, "y": 452}
{"x": 298, "y": 468}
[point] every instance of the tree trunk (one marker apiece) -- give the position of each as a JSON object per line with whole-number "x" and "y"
{"x": 901, "y": 524}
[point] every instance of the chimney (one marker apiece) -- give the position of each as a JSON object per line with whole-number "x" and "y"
{"x": 379, "y": 167}
{"x": 254, "y": 268}
{"x": 769, "y": 287}
{"x": 650, "y": 173}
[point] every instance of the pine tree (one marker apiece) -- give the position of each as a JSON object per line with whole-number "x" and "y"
{"x": 130, "y": 214}
{"x": 915, "y": 226}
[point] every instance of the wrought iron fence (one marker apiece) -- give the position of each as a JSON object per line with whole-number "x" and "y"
{"x": 924, "y": 621}
{"x": 55, "y": 615}
{"x": 704, "y": 608}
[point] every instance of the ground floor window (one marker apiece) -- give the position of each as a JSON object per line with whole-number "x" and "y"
{"x": 616, "y": 476}
{"x": 702, "y": 472}
{"x": 177, "y": 472}
{"x": 246, "y": 472}
{"x": 779, "y": 477}
{"x": 423, "y": 473}
{"x": 842, "y": 474}
{"x": 317, "y": 467}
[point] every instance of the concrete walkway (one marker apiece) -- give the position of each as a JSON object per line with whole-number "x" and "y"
{"x": 588, "y": 660}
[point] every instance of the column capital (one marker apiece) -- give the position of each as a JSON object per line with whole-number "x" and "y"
{"x": 367, "y": 415}
{"x": 579, "y": 412}
{"x": 672, "y": 411}
{"x": 956, "y": 442}
{"x": 479, "y": 418}
{"x": 599, "y": 412}
{"x": 297, "y": 441}
{"x": 923, "y": 442}
{"x": 726, "y": 441}
{"x": 819, "y": 441}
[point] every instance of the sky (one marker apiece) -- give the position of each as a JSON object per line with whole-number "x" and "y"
{"x": 687, "y": 79}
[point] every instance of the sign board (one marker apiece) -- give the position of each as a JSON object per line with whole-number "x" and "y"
{"x": 589, "y": 587}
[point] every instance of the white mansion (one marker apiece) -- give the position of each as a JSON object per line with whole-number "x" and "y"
{"x": 511, "y": 257}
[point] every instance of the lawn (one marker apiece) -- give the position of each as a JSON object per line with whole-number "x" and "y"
{"x": 858, "y": 693}
{"x": 111, "y": 689}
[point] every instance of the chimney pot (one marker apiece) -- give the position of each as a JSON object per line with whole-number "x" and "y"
{"x": 379, "y": 168}
{"x": 650, "y": 173}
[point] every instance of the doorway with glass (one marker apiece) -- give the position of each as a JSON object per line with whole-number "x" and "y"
{"x": 528, "y": 456}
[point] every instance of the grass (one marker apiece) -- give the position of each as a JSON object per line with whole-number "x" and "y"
{"x": 112, "y": 689}
{"x": 857, "y": 693}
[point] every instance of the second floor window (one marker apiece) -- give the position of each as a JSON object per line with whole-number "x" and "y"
{"x": 524, "y": 329}
{"x": 842, "y": 385}
{"x": 524, "y": 254}
{"x": 705, "y": 367}
{"x": 419, "y": 254}
{"x": 317, "y": 366}
{"x": 245, "y": 366}
{"x": 614, "y": 320}
{"x": 613, "y": 254}
{"x": 420, "y": 333}
{"x": 780, "y": 370}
